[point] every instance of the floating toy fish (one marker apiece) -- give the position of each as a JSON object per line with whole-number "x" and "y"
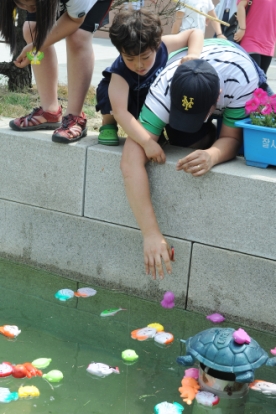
{"x": 241, "y": 337}
{"x": 25, "y": 370}
{"x": 101, "y": 370}
{"x": 273, "y": 351}
{"x": 41, "y": 363}
{"x": 168, "y": 300}
{"x": 163, "y": 338}
{"x": 129, "y": 355}
{"x": 189, "y": 389}
{"x": 6, "y": 396}
{"x": 192, "y": 373}
{"x": 143, "y": 334}
{"x": 28, "y": 391}
{"x": 10, "y": 331}
{"x": 267, "y": 388}
{"x": 6, "y": 369}
{"x": 216, "y": 318}
{"x": 111, "y": 312}
{"x": 168, "y": 408}
{"x": 64, "y": 294}
{"x": 85, "y": 292}
{"x": 207, "y": 398}
{"x": 53, "y": 376}
{"x": 156, "y": 326}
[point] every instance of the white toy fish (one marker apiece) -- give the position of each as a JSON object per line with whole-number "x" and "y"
{"x": 111, "y": 312}
{"x": 207, "y": 398}
{"x": 101, "y": 370}
{"x": 6, "y": 396}
{"x": 64, "y": 294}
{"x": 163, "y": 338}
{"x": 265, "y": 387}
{"x": 85, "y": 292}
{"x": 10, "y": 331}
{"x": 143, "y": 334}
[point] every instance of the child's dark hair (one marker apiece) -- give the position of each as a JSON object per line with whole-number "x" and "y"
{"x": 134, "y": 31}
{"x": 46, "y": 14}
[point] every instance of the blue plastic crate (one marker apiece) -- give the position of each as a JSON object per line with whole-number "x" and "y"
{"x": 259, "y": 144}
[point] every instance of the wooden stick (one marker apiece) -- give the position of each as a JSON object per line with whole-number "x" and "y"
{"x": 203, "y": 14}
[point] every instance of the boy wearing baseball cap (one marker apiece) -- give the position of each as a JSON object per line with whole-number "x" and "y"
{"x": 181, "y": 101}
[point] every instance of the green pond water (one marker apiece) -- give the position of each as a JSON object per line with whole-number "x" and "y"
{"x": 73, "y": 334}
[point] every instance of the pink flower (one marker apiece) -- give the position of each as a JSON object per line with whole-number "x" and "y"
{"x": 261, "y": 95}
{"x": 252, "y": 105}
{"x": 267, "y": 109}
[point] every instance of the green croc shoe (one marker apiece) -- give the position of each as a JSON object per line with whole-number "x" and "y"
{"x": 108, "y": 135}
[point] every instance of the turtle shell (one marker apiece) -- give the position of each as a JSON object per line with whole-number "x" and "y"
{"x": 217, "y": 349}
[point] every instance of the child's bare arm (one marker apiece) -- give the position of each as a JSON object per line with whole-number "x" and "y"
{"x": 192, "y": 38}
{"x": 177, "y": 22}
{"x": 216, "y": 25}
{"x": 118, "y": 95}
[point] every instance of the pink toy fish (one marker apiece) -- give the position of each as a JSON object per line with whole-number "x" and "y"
{"x": 241, "y": 337}
{"x": 192, "y": 373}
{"x": 273, "y": 351}
{"x": 216, "y": 318}
{"x": 168, "y": 300}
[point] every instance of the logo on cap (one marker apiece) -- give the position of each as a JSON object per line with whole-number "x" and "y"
{"x": 187, "y": 104}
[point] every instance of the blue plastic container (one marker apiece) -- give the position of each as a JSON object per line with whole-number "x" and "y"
{"x": 259, "y": 144}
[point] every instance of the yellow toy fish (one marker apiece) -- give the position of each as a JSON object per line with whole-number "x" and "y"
{"x": 28, "y": 391}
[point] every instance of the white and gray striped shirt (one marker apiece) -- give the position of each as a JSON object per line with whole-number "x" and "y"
{"x": 238, "y": 80}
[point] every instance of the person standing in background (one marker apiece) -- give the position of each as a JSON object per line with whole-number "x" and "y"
{"x": 186, "y": 18}
{"x": 224, "y": 10}
{"x": 257, "y": 30}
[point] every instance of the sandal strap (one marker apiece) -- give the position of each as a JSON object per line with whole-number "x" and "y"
{"x": 49, "y": 116}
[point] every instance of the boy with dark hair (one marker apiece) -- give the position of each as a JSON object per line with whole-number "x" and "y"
{"x": 137, "y": 34}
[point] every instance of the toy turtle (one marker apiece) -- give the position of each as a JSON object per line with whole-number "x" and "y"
{"x": 217, "y": 349}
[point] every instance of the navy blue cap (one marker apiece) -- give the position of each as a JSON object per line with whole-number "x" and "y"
{"x": 195, "y": 87}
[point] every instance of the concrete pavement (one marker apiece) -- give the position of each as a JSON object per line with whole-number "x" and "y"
{"x": 105, "y": 53}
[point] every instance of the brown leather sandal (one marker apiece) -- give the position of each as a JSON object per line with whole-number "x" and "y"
{"x": 23, "y": 123}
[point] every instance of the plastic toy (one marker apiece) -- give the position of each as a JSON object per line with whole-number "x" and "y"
{"x": 189, "y": 389}
{"x": 168, "y": 300}
{"x": 85, "y": 292}
{"x": 101, "y": 370}
{"x": 207, "y": 398}
{"x": 129, "y": 355}
{"x": 163, "y": 338}
{"x": 217, "y": 349}
{"x": 53, "y": 376}
{"x": 241, "y": 337}
{"x": 216, "y": 318}
{"x": 41, "y": 363}
{"x": 273, "y": 351}
{"x": 192, "y": 373}
{"x": 35, "y": 57}
{"x": 6, "y": 396}
{"x": 6, "y": 369}
{"x": 267, "y": 388}
{"x": 111, "y": 312}
{"x": 168, "y": 408}
{"x": 10, "y": 331}
{"x": 156, "y": 326}
{"x": 25, "y": 370}
{"x": 28, "y": 391}
{"x": 143, "y": 334}
{"x": 64, "y": 294}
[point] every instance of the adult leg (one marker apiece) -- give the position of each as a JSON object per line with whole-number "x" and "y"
{"x": 80, "y": 65}
{"x": 265, "y": 62}
{"x": 46, "y": 78}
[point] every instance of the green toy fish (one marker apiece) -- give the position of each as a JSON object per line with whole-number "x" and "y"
{"x": 111, "y": 312}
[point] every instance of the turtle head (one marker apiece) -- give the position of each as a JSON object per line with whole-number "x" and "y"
{"x": 186, "y": 360}
{"x": 271, "y": 362}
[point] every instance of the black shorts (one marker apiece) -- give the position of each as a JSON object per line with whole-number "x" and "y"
{"x": 94, "y": 18}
